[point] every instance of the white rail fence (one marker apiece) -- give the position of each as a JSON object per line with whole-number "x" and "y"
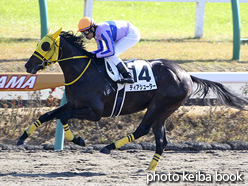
{"x": 223, "y": 77}
{"x": 199, "y": 15}
{"x": 232, "y": 78}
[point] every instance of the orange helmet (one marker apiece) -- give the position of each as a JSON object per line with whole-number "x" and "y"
{"x": 85, "y": 24}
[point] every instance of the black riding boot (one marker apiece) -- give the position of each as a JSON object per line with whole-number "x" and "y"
{"x": 127, "y": 78}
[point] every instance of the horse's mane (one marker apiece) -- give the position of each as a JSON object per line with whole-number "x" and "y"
{"x": 76, "y": 40}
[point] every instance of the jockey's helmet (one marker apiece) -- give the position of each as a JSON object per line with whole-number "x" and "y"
{"x": 85, "y": 24}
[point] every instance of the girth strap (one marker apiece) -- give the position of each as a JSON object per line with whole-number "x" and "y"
{"x": 119, "y": 100}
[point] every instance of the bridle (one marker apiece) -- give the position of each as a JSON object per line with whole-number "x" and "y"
{"x": 54, "y": 49}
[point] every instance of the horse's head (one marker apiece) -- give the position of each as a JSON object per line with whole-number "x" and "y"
{"x": 47, "y": 51}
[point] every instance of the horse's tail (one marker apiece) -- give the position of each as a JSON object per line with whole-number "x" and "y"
{"x": 226, "y": 96}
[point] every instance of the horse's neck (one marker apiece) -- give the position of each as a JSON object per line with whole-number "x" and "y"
{"x": 69, "y": 70}
{"x": 72, "y": 67}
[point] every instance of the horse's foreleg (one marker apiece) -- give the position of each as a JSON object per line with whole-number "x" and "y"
{"x": 56, "y": 113}
{"x": 83, "y": 113}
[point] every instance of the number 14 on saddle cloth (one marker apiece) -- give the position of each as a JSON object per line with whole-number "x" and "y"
{"x": 143, "y": 77}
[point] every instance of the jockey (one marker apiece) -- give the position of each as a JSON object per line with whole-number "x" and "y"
{"x": 118, "y": 36}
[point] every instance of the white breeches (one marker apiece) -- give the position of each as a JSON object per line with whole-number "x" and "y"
{"x": 125, "y": 43}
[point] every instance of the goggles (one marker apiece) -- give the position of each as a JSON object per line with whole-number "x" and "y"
{"x": 87, "y": 32}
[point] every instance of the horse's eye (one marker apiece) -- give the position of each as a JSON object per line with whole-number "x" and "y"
{"x": 45, "y": 46}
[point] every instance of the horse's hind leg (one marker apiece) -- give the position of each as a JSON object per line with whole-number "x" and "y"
{"x": 156, "y": 118}
{"x": 56, "y": 113}
{"x": 152, "y": 113}
{"x": 159, "y": 131}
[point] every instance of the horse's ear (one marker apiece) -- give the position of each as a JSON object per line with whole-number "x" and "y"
{"x": 56, "y": 34}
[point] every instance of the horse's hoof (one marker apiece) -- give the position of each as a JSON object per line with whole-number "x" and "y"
{"x": 20, "y": 142}
{"x": 79, "y": 141}
{"x": 105, "y": 150}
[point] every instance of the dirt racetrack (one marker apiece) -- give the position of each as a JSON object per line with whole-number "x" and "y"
{"x": 127, "y": 167}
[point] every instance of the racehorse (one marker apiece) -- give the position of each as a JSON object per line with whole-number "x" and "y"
{"x": 90, "y": 92}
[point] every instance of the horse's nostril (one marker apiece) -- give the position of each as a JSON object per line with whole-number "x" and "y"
{"x": 27, "y": 66}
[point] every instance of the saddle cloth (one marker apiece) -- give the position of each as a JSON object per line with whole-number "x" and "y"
{"x": 143, "y": 81}
{"x": 141, "y": 72}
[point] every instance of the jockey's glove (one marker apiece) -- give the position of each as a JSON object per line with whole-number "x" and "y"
{"x": 90, "y": 55}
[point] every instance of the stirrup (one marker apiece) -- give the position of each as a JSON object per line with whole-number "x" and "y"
{"x": 125, "y": 80}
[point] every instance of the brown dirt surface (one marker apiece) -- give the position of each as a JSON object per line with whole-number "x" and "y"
{"x": 121, "y": 168}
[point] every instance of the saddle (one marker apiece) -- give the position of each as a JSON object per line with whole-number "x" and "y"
{"x": 112, "y": 70}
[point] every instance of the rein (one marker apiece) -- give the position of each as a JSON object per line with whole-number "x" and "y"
{"x": 50, "y": 47}
{"x": 75, "y": 80}
{"x": 49, "y": 63}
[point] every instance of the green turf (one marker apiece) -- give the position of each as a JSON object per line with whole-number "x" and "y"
{"x": 155, "y": 20}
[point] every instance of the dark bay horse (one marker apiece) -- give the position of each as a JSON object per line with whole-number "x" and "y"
{"x": 90, "y": 93}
